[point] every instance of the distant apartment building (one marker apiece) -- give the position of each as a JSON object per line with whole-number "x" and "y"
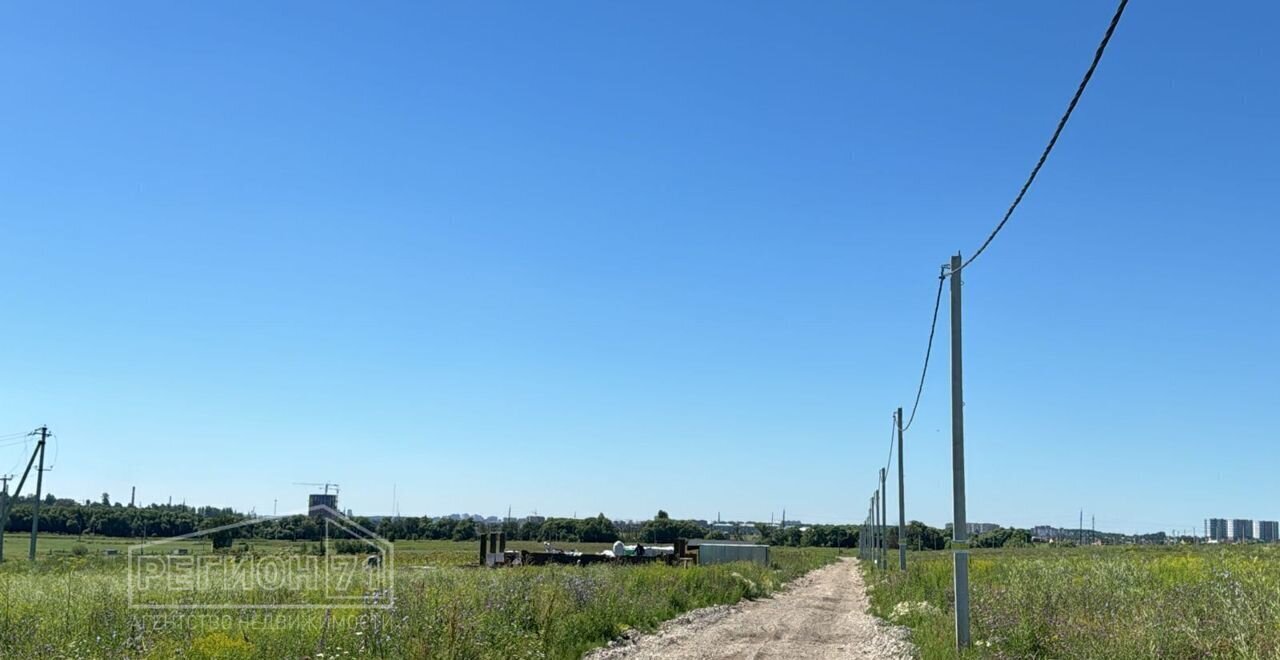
{"x": 1269, "y": 530}
{"x": 977, "y": 528}
{"x": 1218, "y": 529}
{"x": 1241, "y": 529}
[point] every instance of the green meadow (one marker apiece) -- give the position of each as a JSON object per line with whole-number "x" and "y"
{"x": 1112, "y": 602}
{"x": 75, "y": 604}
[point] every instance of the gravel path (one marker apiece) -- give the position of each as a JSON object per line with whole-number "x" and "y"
{"x": 820, "y": 615}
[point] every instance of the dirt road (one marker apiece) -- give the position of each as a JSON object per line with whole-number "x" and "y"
{"x": 821, "y": 615}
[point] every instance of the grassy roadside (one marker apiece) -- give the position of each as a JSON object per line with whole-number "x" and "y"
{"x": 1113, "y": 602}
{"x": 77, "y": 607}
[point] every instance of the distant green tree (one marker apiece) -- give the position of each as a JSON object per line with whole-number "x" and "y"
{"x": 221, "y": 535}
{"x": 666, "y": 530}
{"x": 597, "y": 530}
{"x": 920, "y": 536}
{"x": 559, "y": 530}
{"x": 788, "y": 536}
{"x": 464, "y": 532}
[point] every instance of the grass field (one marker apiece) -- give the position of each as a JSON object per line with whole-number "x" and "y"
{"x": 435, "y": 553}
{"x": 16, "y": 545}
{"x": 76, "y": 606}
{"x": 1105, "y": 602}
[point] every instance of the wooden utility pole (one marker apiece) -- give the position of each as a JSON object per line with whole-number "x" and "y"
{"x": 35, "y": 509}
{"x": 960, "y": 526}
{"x": 902, "y": 505}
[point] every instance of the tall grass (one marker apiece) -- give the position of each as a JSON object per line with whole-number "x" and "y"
{"x": 1121, "y": 602}
{"x": 77, "y": 607}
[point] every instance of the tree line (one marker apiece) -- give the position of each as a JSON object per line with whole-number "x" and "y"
{"x": 104, "y": 518}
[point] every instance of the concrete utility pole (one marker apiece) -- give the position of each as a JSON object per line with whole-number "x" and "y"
{"x": 17, "y": 492}
{"x": 960, "y": 527}
{"x": 875, "y": 542}
{"x": 862, "y": 538}
{"x": 880, "y": 539}
{"x": 875, "y": 528}
{"x": 902, "y": 506}
{"x": 35, "y": 509}
{"x": 4, "y": 505}
{"x": 871, "y": 528}
{"x": 879, "y": 530}
{"x": 884, "y": 522}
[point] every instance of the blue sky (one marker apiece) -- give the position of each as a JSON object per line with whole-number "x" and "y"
{"x": 611, "y": 257}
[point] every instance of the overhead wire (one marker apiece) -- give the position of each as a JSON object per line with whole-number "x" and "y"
{"x": 18, "y": 441}
{"x": 12, "y": 468}
{"x": 892, "y": 428}
{"x": 57, "y": 449}
{"x": 928, "y": 351}
{"x": 1053, "y": 140}
{"x": 1035, "y": 171}
{"x": 25, "y": 440}
{"x": 1062, "y": 123}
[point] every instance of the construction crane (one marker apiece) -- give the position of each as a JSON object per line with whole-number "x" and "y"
{"x": 326, "y": 486}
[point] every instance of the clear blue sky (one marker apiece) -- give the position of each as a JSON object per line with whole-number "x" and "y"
{"x": 615, "y": 257}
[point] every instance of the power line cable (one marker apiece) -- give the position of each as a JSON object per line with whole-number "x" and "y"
{"x": 933, "y": 325}
{"x": 17, "y": 463}
{"x": 892, "y": 427}
{"x": 57, "y": 449}
{"x": 933, "y": 328}
{"x": 1062, "y": 123}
